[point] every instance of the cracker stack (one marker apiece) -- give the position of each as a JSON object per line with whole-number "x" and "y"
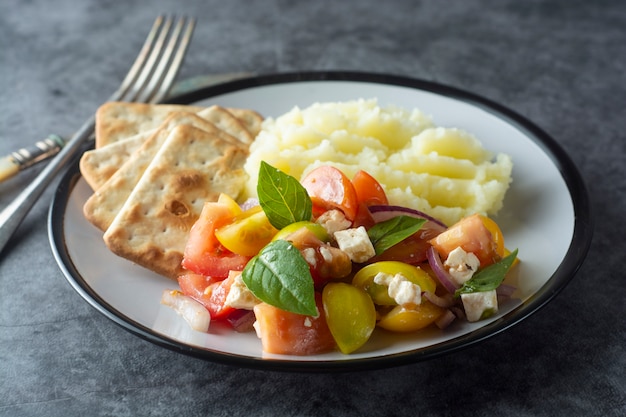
{"x": 150, "y": 185}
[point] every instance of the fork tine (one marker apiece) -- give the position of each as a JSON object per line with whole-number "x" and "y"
{"x": 158, "y": 83}
{"x": 169, "y": 77}
{"x": 135, "y": 69}
{"x": 164, "y": 59}
{"x": 158, "y": 66}
{"x": 132, "y": 94}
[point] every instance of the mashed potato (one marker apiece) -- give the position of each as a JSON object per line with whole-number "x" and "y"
{"x": 444, "y": 172}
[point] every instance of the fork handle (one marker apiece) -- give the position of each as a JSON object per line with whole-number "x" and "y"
{"x": 13, "y": 214}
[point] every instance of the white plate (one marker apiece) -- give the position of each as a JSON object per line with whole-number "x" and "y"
{"x": 546, "y": 216}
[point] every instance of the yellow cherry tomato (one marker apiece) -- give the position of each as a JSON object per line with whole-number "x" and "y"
{"x": 249, "y": 232}
{"x": 229, "y": 202}
{"x": 496, "y": 234}
{"x": 350, "y": 315}
{"x": 400, "y": 319}
{"x": 498, "y": 238}
{"x": 365, "y": 279}
{"x": 317, "y": 229}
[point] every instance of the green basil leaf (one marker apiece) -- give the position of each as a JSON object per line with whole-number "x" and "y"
{"x": 283, "y": 199}
{"x": 390, "y": 232}
{"x": 280, "y": 276}
{"x": 489, "y": 278}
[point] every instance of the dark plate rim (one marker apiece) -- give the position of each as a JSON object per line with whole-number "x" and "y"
{"x": 573, "y": 260}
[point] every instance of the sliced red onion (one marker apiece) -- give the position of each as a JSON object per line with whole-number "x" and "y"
{"x": 458, "y": 312}
{"x": 442, "y": 275}
{"x": 445, "y": 301}
{"x": 242, "y": 320}
{"x": 192, "y": 311}
{"x": 384, "y": 212}
{"x": 505, "y": 290}
{"x": 445, "y": 320}
{"x": 249, "y": 203}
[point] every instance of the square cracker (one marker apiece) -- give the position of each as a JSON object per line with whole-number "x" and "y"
{"x": 192, "y": 166}
{"x": 103, "y": 205}
{"x": 98, "y": 165}
{"x": 116, "y": 120}
{"x": 226, "y": 121}
{"x": 249, "y": 118}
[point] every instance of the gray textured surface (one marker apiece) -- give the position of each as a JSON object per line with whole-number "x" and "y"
{"x": 562, "y": 64}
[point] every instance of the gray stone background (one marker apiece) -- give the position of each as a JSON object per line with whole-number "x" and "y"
{"x": 560, "y": 63}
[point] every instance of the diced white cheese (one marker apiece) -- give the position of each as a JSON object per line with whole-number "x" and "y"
{"x": 403, "y": 291}
{"x": 461, "y": 265}
{"x": 309, "y": 255}
{"x": 239, "y": 295}
{"x": 480, "y": 305}
{"x": 326, "y": 253}
{"x": 192, "y": 311}
{"x": 333, "y": 221}
{"x": 355, "y": 243}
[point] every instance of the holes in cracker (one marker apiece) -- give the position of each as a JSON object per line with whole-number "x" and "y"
{"x": 177, "y": 208}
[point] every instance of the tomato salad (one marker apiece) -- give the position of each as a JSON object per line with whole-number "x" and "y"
{"x": 317, "y": 265}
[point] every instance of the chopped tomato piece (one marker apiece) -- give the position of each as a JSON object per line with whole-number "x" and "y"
{"x": 217, "y": 293}
{"x": 287, "y": 333}
{"x": 202, "y": 234}
{"x": 368, "y": 190}
{"x": 325, "y": 261}
{"x": 411, "y": 250}
{"x": 208, "y": 291}
{"x": 216, "y": 265}
{"x": 204, "y": 254}
{"x": 363, "y": 217}
{"x": 329, "y": 188}
{"x": 193, "y": 285}
{"x": 471, "y": 235}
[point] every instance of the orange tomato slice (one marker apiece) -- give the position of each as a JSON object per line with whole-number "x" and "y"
{"x": 368, "y": 190}
{"x": 329, "y": 188}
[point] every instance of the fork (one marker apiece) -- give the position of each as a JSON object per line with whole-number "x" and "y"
{"x": 148, "y": 81}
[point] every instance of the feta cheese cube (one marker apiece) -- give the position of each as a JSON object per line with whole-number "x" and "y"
{"x": 461, "y": 265}
{"x": 239, "y": 295}
{"x": 309, "y": 255}
{"x": 333, "y": 221}
{"x": 480, "y": 305}
{"x": 403, "y": 291}
{"x": 355, "y": 243}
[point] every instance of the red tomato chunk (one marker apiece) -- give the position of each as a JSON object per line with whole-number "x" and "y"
{"x": 293, "y": 334}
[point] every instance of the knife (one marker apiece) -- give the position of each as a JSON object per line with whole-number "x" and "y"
{"x": 26, "y": 157}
